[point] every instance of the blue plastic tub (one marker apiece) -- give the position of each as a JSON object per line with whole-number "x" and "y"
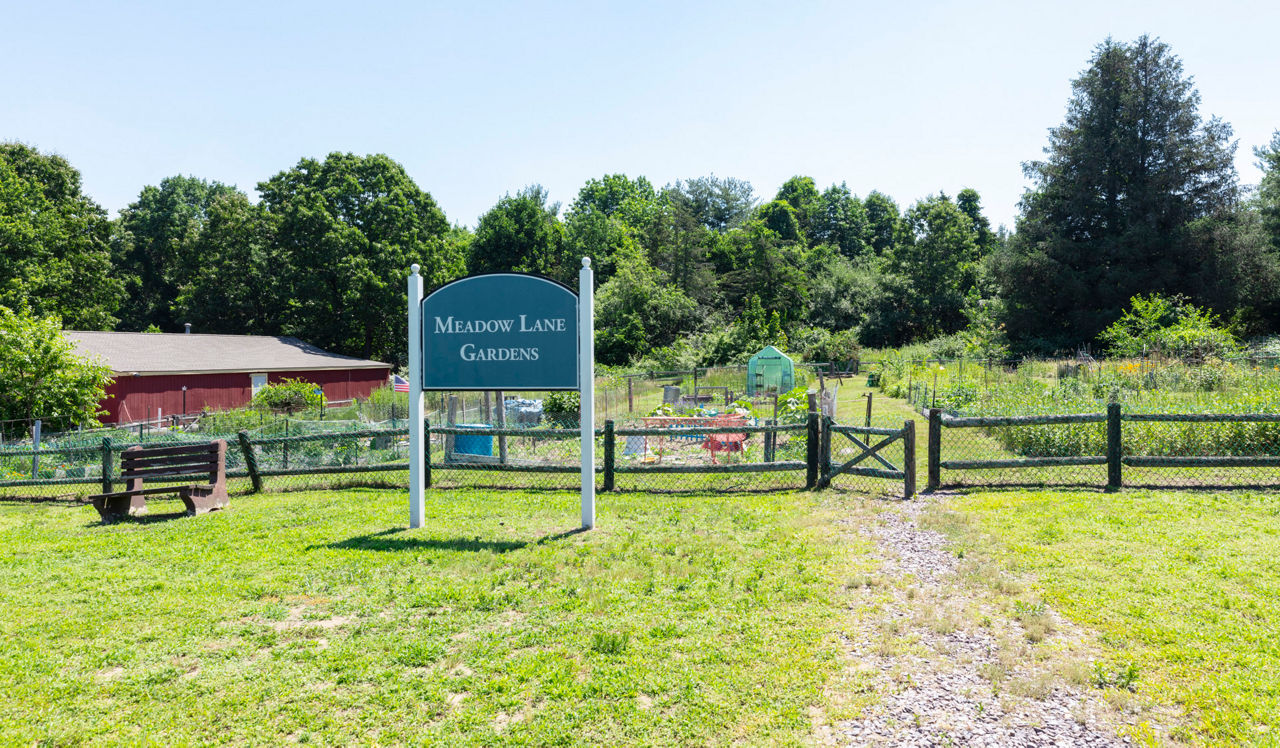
{"x": 473, "y": 444}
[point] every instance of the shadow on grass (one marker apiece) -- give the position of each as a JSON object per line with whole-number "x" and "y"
{"x": 69, "y": 500}
{"x": 1015, "y": 486}
{"x": 391, "y": 540}
{"x": 145, "y": 519}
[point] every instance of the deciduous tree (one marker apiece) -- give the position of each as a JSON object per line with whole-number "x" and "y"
{"x": 236, "y": 287}
{"x": 882, "y": 221}
{"x": 840, "y": 219}
{"x": 54, "y": 253}
{"x": 523, "y": 233}
{"x": 41, "y": 376}
{"x": 157, "y": 248}
{"x": 802, "y": 195}
{"x": 344, "y": 232}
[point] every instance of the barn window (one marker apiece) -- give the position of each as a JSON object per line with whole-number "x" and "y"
{"x": 259, "y": 381}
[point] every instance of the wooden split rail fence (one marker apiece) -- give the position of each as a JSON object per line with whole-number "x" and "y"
{"x": 1114, "y": 458}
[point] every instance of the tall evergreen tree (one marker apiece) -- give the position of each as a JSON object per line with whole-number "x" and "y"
{"x": 718, "y": 204}
{"x": 1269, "y": 188}
{"x": 1129, "y": 169}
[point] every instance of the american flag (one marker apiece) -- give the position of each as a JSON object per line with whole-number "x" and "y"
{"x": 399, "y": 383}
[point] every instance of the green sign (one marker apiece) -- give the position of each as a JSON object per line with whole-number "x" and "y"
{"x": 505, "y": 331}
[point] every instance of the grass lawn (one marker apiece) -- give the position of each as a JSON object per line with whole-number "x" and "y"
{"x": 1184, "y": 585}
{"x": 316, "y": 617}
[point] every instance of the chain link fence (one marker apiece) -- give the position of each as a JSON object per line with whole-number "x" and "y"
{"x": 655, "y": 454}
{"x": 672, "y": 431}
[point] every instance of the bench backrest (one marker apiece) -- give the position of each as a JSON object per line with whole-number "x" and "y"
{"x": 175, "y": 463}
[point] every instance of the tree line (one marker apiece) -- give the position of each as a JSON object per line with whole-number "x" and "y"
{"x": 1137, "y": 193}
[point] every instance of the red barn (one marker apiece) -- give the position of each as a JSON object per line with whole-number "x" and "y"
{"x": 164, "y": 374}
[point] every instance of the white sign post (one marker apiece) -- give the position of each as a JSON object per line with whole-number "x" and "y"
{"x": 417, "y": 445}
{"x": 587, "y": 390}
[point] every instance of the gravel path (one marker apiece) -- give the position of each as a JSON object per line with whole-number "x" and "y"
{"x": 958, "y": 664}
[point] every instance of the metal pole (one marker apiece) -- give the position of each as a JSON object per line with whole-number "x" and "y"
{"x": 587, "y": 390}
{"x": 35, "y": 449}
{"x": 417, "y": 449}
{"x": 502, "y": 424}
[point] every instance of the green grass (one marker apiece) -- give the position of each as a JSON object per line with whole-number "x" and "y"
{"x": 316, "y": 617}
{"x": 1186, "y": 586}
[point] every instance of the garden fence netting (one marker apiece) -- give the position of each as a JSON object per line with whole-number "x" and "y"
{"x": 692, "y": 434}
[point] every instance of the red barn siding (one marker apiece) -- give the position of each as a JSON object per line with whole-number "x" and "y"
{"x": 137, "y": 398}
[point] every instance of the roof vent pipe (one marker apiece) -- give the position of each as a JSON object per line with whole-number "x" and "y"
{"x": 186, "y": 327}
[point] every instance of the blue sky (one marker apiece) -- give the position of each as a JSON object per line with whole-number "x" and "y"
{"x": 478, "y": 99}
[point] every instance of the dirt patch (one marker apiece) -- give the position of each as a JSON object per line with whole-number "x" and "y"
{"x": 960, "y": 658}
{"x": 294, "y": 620}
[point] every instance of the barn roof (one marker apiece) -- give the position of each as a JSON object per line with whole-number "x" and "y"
{"x": 182, "y": 353}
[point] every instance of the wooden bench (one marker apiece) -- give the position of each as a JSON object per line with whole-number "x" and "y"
{"x": 168, "y": 464}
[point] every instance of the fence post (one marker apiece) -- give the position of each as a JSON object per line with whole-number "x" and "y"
{"x": 909, "y": 459}
{"x": 824, "y": 459}
{"x": 1114, "y": 477}
{"x": 631, "y": 403}
{"x": 608, "y": 455}
{"x": 934, "y": 480}
{"x": 107, "y": 461}
{"x": 250, "y": 460}
{"x": 770, "y": 441}
{"x": 811, "y": 453}
{"x": 426, "y": 451}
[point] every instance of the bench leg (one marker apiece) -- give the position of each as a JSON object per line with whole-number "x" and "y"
{"x": 202, "y": 500}
{"x": 117, "y": 507}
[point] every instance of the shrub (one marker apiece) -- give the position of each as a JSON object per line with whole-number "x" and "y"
{"x": 1169, "y": 326}
{"x": 682, "y": 355}
{"x": 385, "y": 403}
{"x": 793, "y": 406}
{"x": 947, "y": 346}
{"x": 290, "y": 394}
{"x": 562, "y": 408}
{"x": 819, "y": 345}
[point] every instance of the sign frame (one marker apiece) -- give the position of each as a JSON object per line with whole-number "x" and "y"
{"x": 586, "y": 390}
